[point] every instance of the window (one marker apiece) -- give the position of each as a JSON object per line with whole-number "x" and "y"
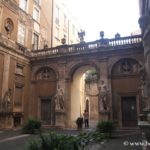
{"x": 65, "y": 21}
{"x": 18, "y": 96}
{"x": 21, "y": 34}
{"x": 23, "y": 4}
{"x": 57, "y": 15}
{"x": 19, "y": 69}
{"x": 36, "y": 14}
{"x": 35, "y": 41}
{"x": 73, "y": 29}
{"x": 57, "y": 33}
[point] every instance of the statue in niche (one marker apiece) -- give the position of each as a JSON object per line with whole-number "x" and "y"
{"x": 145, "y": 83}
{"x": 142, "y": 72}
{"x": 7, "y": 99}
{"x": 103, "y": 92}
{"x": 8, "y": 25}
{"x": 59, "y": 99}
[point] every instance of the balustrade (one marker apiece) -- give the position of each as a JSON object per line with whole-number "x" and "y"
{"x": 84, "y": 47}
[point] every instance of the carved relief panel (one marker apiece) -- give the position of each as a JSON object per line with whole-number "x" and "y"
{"x": 126, "y": 67}
{"x": 45, "y": 74}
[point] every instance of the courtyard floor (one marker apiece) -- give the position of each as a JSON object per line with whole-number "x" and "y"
{"x": 14, "y": 140}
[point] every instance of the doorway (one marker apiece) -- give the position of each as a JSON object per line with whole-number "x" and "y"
{"x": 46, "y": 111}
{"x": 17, "y": 121}
{"x": 129, "y": 111}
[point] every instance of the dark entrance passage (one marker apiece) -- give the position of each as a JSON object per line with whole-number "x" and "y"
{"x": 46, "y": 111}
{"x": 129, "y": 112}
{"x": 17, "y": 121}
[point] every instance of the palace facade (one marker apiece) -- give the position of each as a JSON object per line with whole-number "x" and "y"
{"x": 49, "y": 83}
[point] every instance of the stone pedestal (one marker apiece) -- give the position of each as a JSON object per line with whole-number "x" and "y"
{"x": 60, "y": 118}
{"x": 144, "y": 124}
{"x": 145, "y": 131}
{"x": 6, "y": 120}
{"x": 104, "y": 115}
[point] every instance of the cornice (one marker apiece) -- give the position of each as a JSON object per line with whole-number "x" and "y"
{"x": 11, "y": 4}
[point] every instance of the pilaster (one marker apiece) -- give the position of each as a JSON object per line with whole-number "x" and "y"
{"x": 5, "y": 74}
{"x": 144, "y": 122}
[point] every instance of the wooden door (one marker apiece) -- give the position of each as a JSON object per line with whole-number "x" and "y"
{"x": 46, "y": 111}
{"x": 129, "y": 112}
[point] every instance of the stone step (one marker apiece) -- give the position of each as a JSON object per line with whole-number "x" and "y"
{"x": 125, "y": 132}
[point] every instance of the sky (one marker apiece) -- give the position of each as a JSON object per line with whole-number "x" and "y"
{"x": 110, "y": 16}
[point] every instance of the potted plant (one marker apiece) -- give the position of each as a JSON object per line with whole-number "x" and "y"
{"x": 79, "y": 123}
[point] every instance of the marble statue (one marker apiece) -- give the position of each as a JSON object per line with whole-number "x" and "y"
{"x": 103, "y": 92}
{"x": 59, "y": 99}
{"x": 7, "y": 99}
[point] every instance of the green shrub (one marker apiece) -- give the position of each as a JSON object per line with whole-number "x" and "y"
{"x": 33, "y": 145}
{"x": 32, "y": 126}
{"x": 54, "y": 141}
{"x": 106, "y": 127}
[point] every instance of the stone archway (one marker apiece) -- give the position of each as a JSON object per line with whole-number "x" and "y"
{"x": 125, "y": 84}
{"x": 79, "y": 94}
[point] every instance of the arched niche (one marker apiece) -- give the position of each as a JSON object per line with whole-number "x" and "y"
{"x": 125, "y": 83}
{"x": 44, "y": 90}
{"x": 45, "y": 81}
{"x": 125, "y": 66}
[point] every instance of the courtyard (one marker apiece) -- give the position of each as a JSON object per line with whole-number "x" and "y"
{"x": 15, "y": 140}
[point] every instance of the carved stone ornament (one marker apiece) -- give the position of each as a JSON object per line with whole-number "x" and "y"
{"x": 45, "y": 74}
{"x": 126, "y": 66}
{"x": 81, "y": 35}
